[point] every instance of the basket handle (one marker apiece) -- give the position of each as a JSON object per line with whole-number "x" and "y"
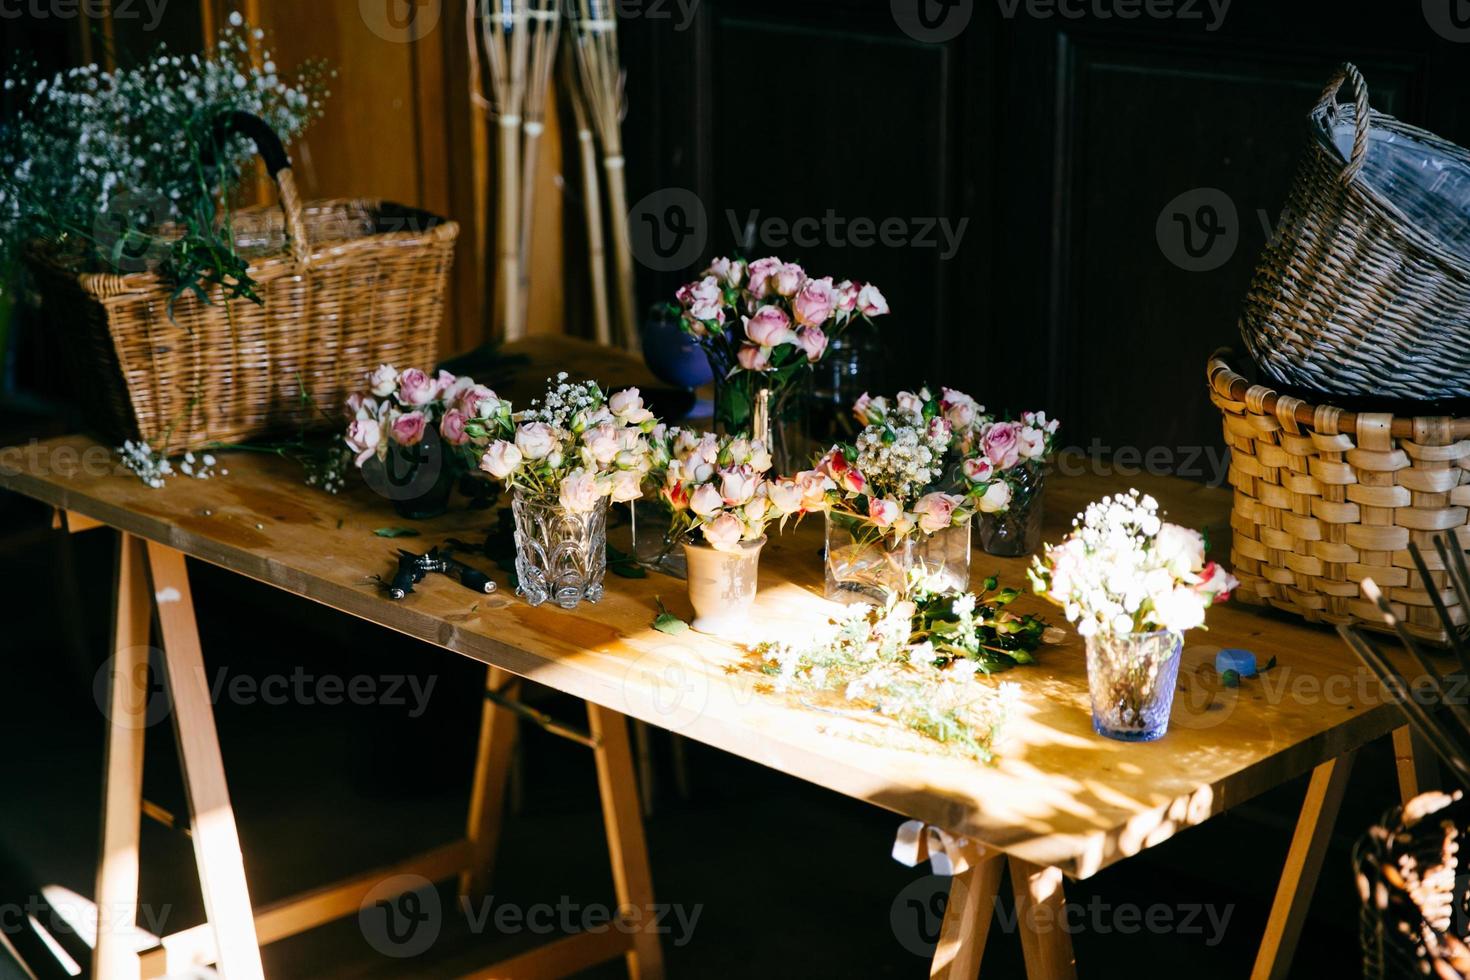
{"x": 230, "y": 124}
{"x": 1361, "y": 119}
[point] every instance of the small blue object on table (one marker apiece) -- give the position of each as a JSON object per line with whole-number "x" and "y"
{"x": 1243, "y": 662}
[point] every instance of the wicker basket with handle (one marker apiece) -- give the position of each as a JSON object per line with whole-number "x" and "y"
{"x": 1365, "y": 289}
{"x": 347, "y": 285}
{"x": 1325, "y": 498}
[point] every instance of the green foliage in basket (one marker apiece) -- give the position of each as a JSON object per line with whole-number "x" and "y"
{"x": 117, "y": 171}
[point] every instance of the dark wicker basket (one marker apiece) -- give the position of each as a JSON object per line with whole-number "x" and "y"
{"x": 1365, "y": 290}
{"x": 1415, "y": 888}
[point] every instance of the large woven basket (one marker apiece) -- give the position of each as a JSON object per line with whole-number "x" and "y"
{"x": 1414, "y": 882}
{"x": 347, "y": 285}
{"x": 1365, "y": 289}
{"x": 1325, "y": 498}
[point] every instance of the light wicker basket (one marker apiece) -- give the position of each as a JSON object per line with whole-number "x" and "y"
{"x": 347, "y": 284}
{"x": 1365, "y": 288}
{"x": 1325, "y": 498}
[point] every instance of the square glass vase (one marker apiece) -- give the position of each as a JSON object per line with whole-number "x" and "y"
{"x": 865, "y": 565}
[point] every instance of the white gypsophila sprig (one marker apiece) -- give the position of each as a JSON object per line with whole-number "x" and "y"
{"x": 93, "y": 153}
{"x": 154, "y": 468}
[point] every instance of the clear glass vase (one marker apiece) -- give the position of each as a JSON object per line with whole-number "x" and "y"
{"x": 561, "y": 555}
{"x": 1132, "y": 677}
{"x": 865, "y": 565}
{"x": 652, "y": 545}
{"x": 945, "y": 557}
{"x": 1017, "y": 530}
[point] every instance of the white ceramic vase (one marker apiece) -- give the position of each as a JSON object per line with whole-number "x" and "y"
{"x": 722, "y": 587}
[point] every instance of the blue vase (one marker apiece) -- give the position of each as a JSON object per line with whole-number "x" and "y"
{"x": 673, "y": 356}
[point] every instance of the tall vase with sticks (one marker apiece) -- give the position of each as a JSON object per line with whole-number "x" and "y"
{"x": 602, "y": 78}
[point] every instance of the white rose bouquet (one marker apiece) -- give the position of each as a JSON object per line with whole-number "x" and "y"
{"x": 720, "y": 487}
{"x": 576, "y": 446}
{"x": 1124, "y": 570}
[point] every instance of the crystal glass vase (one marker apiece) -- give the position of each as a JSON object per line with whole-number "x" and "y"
{"x": 865, "y": 565}
{"x": 1017, "y": 530}
{"x": 1132, "y": 677}
{"x": 561, "y": 554}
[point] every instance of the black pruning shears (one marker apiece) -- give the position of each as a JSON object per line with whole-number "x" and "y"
{"x": 412, "y": 569}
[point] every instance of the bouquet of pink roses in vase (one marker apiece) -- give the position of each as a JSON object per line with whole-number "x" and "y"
{"x": 1133, "y": 584}
{"x": 904, "y": 492}
{"x": 722, "y": 499}
{"x": 763, "y": 327}
{"x": 407, "y": 434}
{"x": 565, "y": 459}
{"x": 1014, "y": 455}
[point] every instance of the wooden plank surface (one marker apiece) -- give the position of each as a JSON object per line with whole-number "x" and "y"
{"x": 1059, "y": 796}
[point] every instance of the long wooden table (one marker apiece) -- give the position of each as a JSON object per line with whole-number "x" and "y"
{"x": 1060, "y": 802}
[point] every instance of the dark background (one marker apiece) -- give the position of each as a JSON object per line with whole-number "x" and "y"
{"x": 1061, "y": 142}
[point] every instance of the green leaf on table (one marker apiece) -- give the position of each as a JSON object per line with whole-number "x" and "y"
{"x": 622, "y": 564}
{"x": 1269, "y": 664}
{"x": 396, "y": 532}
{"x": 1230, "y": 678}
{"x": 667, "y": 622}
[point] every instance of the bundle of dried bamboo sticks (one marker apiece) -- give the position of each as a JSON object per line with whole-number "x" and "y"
{"x": 520, "y": 41}
{"x": 595, "y": 40}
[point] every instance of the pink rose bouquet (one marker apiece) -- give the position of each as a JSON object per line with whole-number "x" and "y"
{"x": 917, "y": 465}
{"x": 764, "y": 325}
{"x": 576, "y": 446}
{"x": 721, "y": 487}
{"x": 410, "y": 413}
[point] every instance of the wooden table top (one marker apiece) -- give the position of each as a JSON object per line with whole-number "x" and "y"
{"x": 1058, "y": 795}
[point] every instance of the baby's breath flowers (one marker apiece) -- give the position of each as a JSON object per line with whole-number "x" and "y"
{"x": 154, "y": 468}
{"x": 920, "y": 661}
{"x": 97, "y": 161}
{"x": 1125, "y": 570}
